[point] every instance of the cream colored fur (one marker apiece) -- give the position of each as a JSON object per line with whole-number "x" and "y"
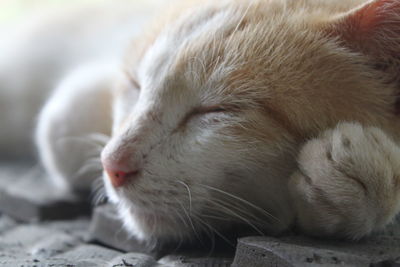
{"x": 259, "y": 113}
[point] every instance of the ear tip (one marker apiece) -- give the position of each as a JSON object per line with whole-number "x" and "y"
{"x": 374, "y": 13}
{"x": 372, "y": 28}
{"x": 372, "y": 16}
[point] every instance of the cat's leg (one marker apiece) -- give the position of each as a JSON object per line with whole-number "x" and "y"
{"x": 348, "y": 182}
{"x": 79, "y": 109}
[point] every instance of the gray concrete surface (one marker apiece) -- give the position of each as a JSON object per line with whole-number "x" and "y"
{"x": 380, "y": 249}
{"x": 303, "y": 251}
{"x": 27, "y": 195}
{"x": 63, "y": 243}
{"x": 84, "y": 241}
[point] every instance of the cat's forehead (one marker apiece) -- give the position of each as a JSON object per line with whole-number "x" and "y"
{"x": 181, "y": 51}
{"x": 230, "y": 49}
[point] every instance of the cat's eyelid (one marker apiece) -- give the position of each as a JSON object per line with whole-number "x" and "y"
{"x": 201, "y": 110}
{"x": 209, "y": 109}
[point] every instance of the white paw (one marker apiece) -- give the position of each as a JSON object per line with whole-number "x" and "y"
{"x": 348, "y": 182}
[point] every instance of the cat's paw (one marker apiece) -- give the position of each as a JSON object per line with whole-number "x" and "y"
{"x": 348, "y": 182}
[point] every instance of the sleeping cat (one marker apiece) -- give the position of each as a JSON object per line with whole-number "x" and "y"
{"x": 265, "y": 113}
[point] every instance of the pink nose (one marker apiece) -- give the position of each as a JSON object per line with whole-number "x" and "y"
{"x": 119, "y": 178}
{"x": 119, "y": 171}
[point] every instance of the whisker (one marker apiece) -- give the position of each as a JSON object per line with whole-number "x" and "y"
{"x": 241, "y": 200}
{"x": 215, "y": 231}
{"x": 98, "y": 196}
{"x": 239, "y": 209}
{"x": 235, "y": 214}
{"x": 234, "y": 205}
{"x": 182, "y": 219}
{"x": 86, "y": 169}
{"x": 190, "y": 219}
{"x": 78, "y": 139}
{"x": 189, "y": 193}
{"x": 208, "y": 231}
{"x": 215, "y": 217}
{"x": 99, "y": 137}
{"x": 97, "y": 183}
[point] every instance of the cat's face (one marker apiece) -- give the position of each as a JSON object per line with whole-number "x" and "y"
{"x": 211, "y": 116}
{"x": 198, "y": 136}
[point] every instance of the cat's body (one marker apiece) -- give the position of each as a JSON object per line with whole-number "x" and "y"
{"x": 217, "y": 104}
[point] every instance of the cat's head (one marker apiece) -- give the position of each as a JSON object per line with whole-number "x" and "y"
{"x": 212, "y": 111}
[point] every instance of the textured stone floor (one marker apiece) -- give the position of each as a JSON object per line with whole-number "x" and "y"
{"x": 38, "y": 227}
{"x": 65, "y": 243}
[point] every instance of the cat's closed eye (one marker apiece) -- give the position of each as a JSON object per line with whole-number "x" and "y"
{"x": 210, "y": 109}
{"x": 200, "y": 111}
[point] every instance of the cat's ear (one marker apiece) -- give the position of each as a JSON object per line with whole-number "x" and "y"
{"x": 372, "y": 28}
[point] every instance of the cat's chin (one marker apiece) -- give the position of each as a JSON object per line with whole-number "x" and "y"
{"x": 150, "y": 226}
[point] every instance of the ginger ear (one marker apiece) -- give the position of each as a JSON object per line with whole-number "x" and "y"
{"x": 372, "y": 29}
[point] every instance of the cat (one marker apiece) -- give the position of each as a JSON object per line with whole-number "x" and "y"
{"x": 268, "y": 113}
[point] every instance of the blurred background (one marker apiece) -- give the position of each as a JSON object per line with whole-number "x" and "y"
{"x": 43, "y": 41}
{"x": 13, "y": 10}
